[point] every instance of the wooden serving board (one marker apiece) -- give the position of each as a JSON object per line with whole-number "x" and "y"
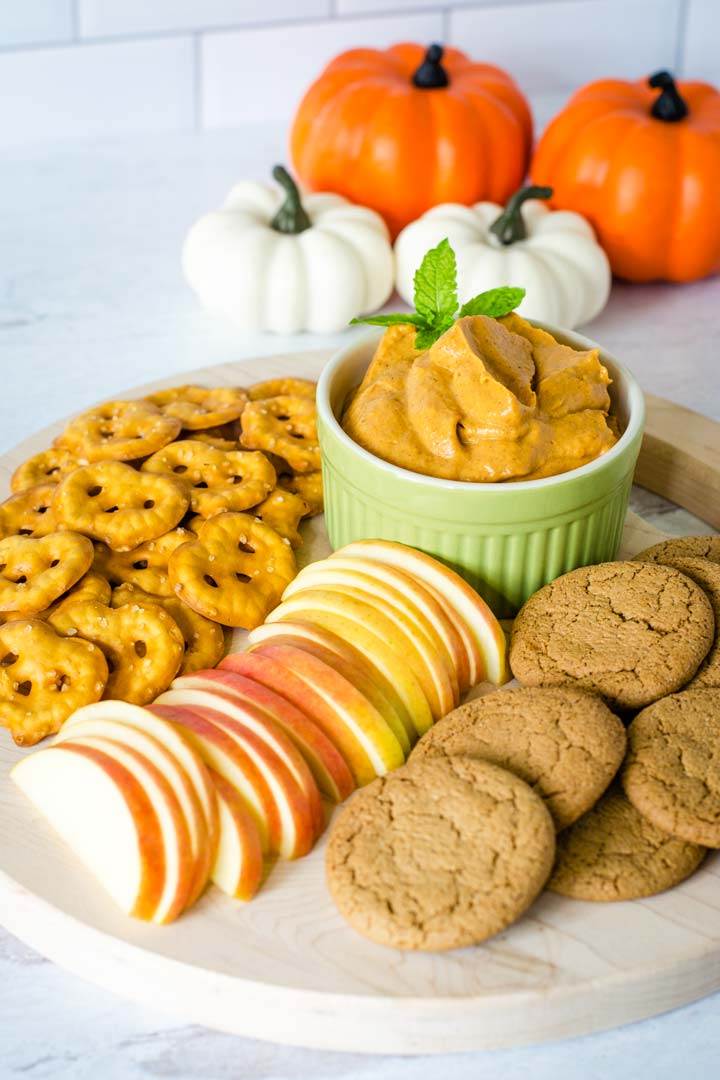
{"x": 286, "y": 968}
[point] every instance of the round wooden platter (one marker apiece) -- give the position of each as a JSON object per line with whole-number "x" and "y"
{"x": 286, "y": 968}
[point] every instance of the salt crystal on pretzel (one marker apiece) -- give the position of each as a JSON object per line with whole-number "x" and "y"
{"x": 145, "y": 566}
{"x": 47, "y": 467}
{"x": 204, "y": 640}
{"x": 308, "y": 486}
{"x": 217, "y": 480}
{"x": 29, "y": 513}
{"x": 118, "y": 431}
{"x": 282, "y": 511}
{"x": 285, "y": 426}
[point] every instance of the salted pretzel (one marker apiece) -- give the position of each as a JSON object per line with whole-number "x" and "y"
{"x": 29, "y": 513}
{"x": 200, "y": 407}
{"x": 308, "y": 486}
{"x": 283, "y": 511}
{"x": 235, "y": 572}
{"x": 145, "y": 566}
{"x": 91, "y": 586}
{"x": 217, "y": 480}
{"x": 282, "y": 387}
{"x": 34, "y": 572}
{"x": 115, "y": 503}
{"x": 44, "y": 678}
{"x": 47, "y": 467}
{"x": 142, "y": 644}
{"x": 118, "y": 431}
{"x": 284, "y": 425}
{"x": 204, "y": 640}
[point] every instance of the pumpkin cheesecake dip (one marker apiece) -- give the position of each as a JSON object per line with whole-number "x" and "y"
{"x": 491, "y": 400}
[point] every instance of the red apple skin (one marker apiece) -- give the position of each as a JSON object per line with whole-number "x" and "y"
{"x": 327, "y": 765}
{"x": 152, "y": 845}
{"x": 267, "y": 818}
{"x": 253, "y": 868}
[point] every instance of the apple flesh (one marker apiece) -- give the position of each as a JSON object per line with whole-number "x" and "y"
{"x": 104, "y": 816}
{"x": 238, "y": 868}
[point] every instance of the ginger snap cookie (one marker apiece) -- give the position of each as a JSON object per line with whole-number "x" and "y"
{"x": 705, "y": 573}
{"x": 629, "y": 631}
{"x": 565, "y": 743}
{"x": 440, "y": 854}
{"x": 682, "y": 547}
{"x": 614, "y": 853}
{"x": 672, "y": 772}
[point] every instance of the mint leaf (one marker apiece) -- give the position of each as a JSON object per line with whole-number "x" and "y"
{"x": 435, "y": 284}
{"x": 494, "y": 302}
{"x": 427, "y": 336}
{"x": 390, "y": 320}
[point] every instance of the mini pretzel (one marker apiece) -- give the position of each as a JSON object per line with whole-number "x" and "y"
{"x": 286, "y": 426}
{"x": 47, "y": 467}
{"x": 91, "y": 586}
{"x": 142, "y": 644}
{"x": 308, "y": 486}
{"x": 35, "y": 572}
{"x": 118, "y": 431}
{"x": 145, "y": 566}
{"x": 44, "y": 678}
{"x": 200, "y": 407}
{"x": 204, "y": 640}
{"x": 217, "y": 480}
{"x": 224, "y": 437}
{"x": 117, "y": 504}
{"x": 302, "y": 388}
{"x": 29, "y": 513}
{"x": 235, "y": 572}
{"x": 282, "y": 511}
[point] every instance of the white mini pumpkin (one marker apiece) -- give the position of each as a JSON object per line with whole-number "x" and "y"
{"x": 272, "y": 262}
{"x": 553, "y": 255}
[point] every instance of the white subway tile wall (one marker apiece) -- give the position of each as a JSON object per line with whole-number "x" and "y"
{"x": 89, "y": 67}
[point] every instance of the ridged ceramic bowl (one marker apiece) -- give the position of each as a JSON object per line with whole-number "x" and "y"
{"x": 505, "y": 539}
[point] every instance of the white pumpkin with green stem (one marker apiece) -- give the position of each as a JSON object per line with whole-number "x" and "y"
{"x": 272, "y": 261}
{"x": 553, "y": 255}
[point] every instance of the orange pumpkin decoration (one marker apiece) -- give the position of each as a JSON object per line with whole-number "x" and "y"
{"x": 403, "y": 129}
{"x": 644, "y": 168}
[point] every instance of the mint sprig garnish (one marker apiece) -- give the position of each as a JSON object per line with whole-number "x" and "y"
{"x": 436, "y": 299}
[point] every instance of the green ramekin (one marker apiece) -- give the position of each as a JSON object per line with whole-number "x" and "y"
{"x": 505, "y": 539}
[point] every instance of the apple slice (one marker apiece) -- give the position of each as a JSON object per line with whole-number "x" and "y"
{"x": 482, "y": 634}
{"x": 222, "y": 753}
{"x": 402, "y": 590}
{"x": 298, "y": 817}
{"x": 104, "y": 816}
{"x": 354, "y": 725}
{"x": 327, "y": 765}
{"x": 374, "y": 635}
{"x": 169, "y": 766}
{"x": 349, "y": 661}
{"x": 143, "y": 719}
{"x": 179, "y": 860}
{"x": 434, "y": 661}
{"x": 238, "y": 868}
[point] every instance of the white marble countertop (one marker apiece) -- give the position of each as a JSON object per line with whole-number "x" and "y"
{"x": 91, "y": 303}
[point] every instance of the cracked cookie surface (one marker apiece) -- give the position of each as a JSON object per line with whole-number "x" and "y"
{"x": 629, "y": 631}
{"x": 440, "y": 854}
{"x": 672, "y": 772}
{"x": 614, "y": 853}
{"x": 682, "y": 547}
{"x": 565, "y": 743}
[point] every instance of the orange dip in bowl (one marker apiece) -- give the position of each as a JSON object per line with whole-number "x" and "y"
{"x": 491, "y": 400}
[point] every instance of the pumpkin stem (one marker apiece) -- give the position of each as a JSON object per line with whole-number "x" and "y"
{"x": 669, "y": 105}
{"x": 431, "y": 75}
{"x": 510, "y": 226}
{"x": 291, "y": 217}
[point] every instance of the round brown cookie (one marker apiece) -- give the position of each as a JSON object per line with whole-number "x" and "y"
{"x": 706, "y": 574}
{"x": 672, "y": 772}
{"x": 629, "y": 631}
{"x": 614, "y": 853}
{"x": 682, "y": 547}
{"x": 439, "y": 854}
{"x": 562, "y": 741}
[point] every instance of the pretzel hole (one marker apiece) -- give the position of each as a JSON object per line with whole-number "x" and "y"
{"x": 244, "y": 578}
{"x": 8, "y": 659}
{"x": 55, "y": 562}
{"x": 21, "y": 580}
{"x": 140, "y": 648}
{"x": 149, "y": 503}
{"x": 296, "y": 435}
{"x": 51, "y": 471}
{"x": 283, "y": 416}
{"x": 111, "y": 510}
{"x": 141, "y": 564}
{"x": 200, "y": 484}
{"x": 210, "y": 581}
{"x": 105, "y": 434}
{"x": 43, "y": 509}
{"x": 180, "y": 468}
{"x": 243, "y": 546}
{"x": 61, "y": 682}
{"x": 237, "y": 479}
{"x": 24, "y": 688}
{"x": 94, "y": 490}
{"x": 25, "y": 532}
{"x": 2, "y": 567}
